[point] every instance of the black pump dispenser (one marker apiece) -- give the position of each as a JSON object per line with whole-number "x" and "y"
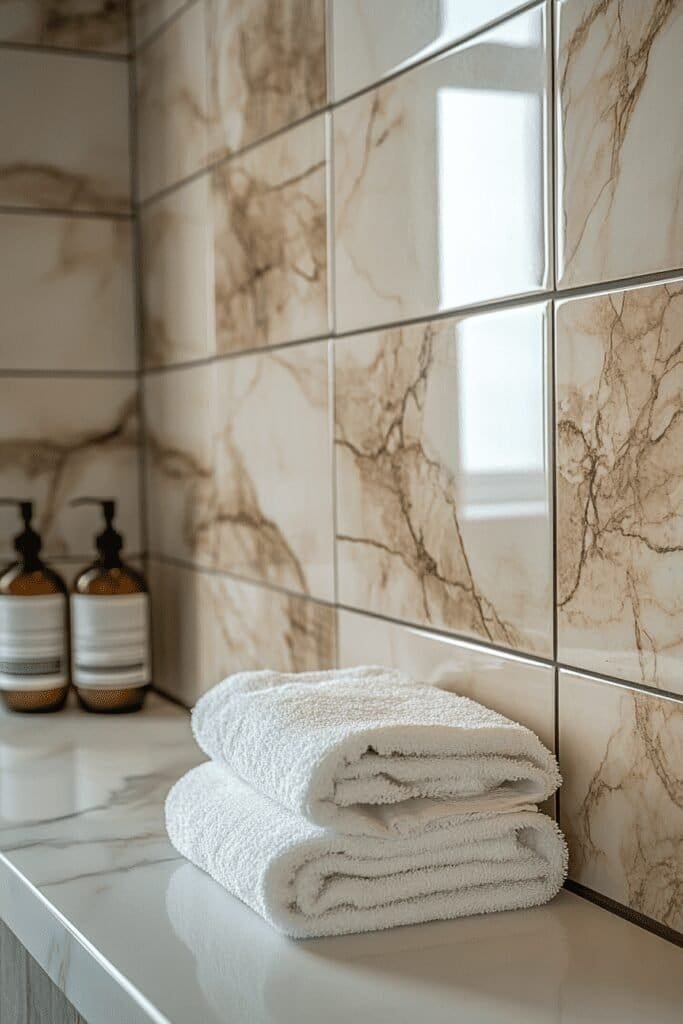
{"x": 109, "y": 543}
{"x": 27, "y": 544}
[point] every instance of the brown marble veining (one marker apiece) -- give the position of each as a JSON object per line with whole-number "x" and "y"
{"x": 211, "y": 625}
{"x": 421, "y": 534}
{"x": 620, "y": 148}
{"x": 269, "y": 226}
{"x": 239, "y": 472}
{"x": 64, "y": 131}
{"x": 177, "y": 276}
{"x": 620, "y": 483}
{"x": 265, "y": 68}
{"x": 100, "y": 25}
{"x": 621, "y": 805}
{"x": 62, "y": 438}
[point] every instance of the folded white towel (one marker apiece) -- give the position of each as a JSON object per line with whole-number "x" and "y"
{"x": 308, "y": 881}
{"x": 368, "y": 751}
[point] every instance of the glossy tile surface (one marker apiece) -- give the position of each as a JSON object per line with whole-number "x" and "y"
{"x": 83, "y": 853}
{"x": 66, "y": 293}
{"x": 265, "y": 68}
{"x": 97, "y": 25}
{"x": 177, "y": 276}
{"x": 439, "y": 181}
{"x": 61, "y": 438}
{"x": 171, "y": 103}
{"x": 182, "y": 495}
{"x": 210, "y": 625}
{"x": 443, "y": 518}
{"x": 75, "y": 155}
{"x": 270, "y": 242}
{"x": 620, "y": 484}
{"x": 372, "y": 40}
{"x": 273, "y": 467}
{"x": 620, "y": 159}
{"x": 521, "y": 690}
{"x": 622, "y": 760}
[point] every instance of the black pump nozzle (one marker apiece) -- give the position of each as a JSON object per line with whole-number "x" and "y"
{"x": 109, "y": 542}
{"x": 28, "y": 542}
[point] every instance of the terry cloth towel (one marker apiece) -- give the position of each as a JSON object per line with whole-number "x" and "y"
{"x": 368, "y": 751}
{"x": 308, "y": 881}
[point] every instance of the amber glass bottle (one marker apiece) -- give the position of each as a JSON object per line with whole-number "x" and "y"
{"x": 34, "y": 666}
{"x": 110, "y": 659}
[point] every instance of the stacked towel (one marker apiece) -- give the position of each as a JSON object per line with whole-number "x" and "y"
{"x": 350, "y": 801}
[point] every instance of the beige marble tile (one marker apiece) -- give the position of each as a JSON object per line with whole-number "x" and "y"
{"x": 269, "y": 223}
{"x": 75, "y": 155}
{"x": 273, "y": 461}
{"x": 61, "y": 438}
{"x": 265, "y": 67}
{"x": 372, "y": 40}
{"x": 177, "y": 276}
{"x": 66, "y": 292}
{"x": 621, "y": 755}
{"x": 98, "y": 25}
{"x": 149, "y": 15}
{"x": 620, "y": 153}
{"x": 182, "y": 497}
{"x": 205, "y": 626}
{"x": 440, "y": 181}
{"x": 443, "y": 504}
{"x": 171, "y": 104}
{"x": 620, "y": 483}
{"x": 522, "y": 690}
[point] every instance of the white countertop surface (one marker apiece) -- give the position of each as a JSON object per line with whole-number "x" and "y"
{"x": 132, "y": 933}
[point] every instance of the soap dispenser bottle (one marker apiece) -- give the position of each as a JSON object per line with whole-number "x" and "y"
{"x": 110, "y": 652}
{"x": 34, "y": 665}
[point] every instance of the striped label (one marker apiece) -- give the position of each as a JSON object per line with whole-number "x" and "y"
{"x": 33, "y": 642}
{"x": 110, "y": 640}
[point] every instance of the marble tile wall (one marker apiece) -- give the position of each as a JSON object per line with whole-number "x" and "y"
{"x": 69, "y": 418}
{"x": 411, "y": 279}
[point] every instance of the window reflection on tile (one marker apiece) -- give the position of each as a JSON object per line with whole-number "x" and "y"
{"x": 371, "y": 40}
{"x": 442, "y": 476}
{"x": 440, "y": 181}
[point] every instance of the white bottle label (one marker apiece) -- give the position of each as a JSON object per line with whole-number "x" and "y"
{"x": 110, "y": 641}
{"x": 33, "y": 642}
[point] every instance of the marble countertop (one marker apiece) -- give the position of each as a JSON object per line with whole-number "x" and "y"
{"x": 132, "y": 933}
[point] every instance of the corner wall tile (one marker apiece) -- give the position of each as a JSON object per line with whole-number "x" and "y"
{"x": 620, "y": 483}
{"x": 66, "y": 292}
{"x": 278, "y": 77}
{"x": 171, "y": 104}
{"x": 273, "y": 463}
{"x": 75, "y": 155}
{"x": 372, "y": 40}
{"x": 182, "y": 497}
{"x": 95, "y": 25}
{"x": 440, "y": 181}
{"x": 621, "y": 754}
{"x": 269, "y": 222}
{"x": 521, "y": 690}
{"x": 208, "y": 626}
{"x": 149, "y": 15}
{"x": 443, "y": 502}
{"x": 620, "y": 157}
{"x": 177, "y": 276}
{"x": 62, "y": 438}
